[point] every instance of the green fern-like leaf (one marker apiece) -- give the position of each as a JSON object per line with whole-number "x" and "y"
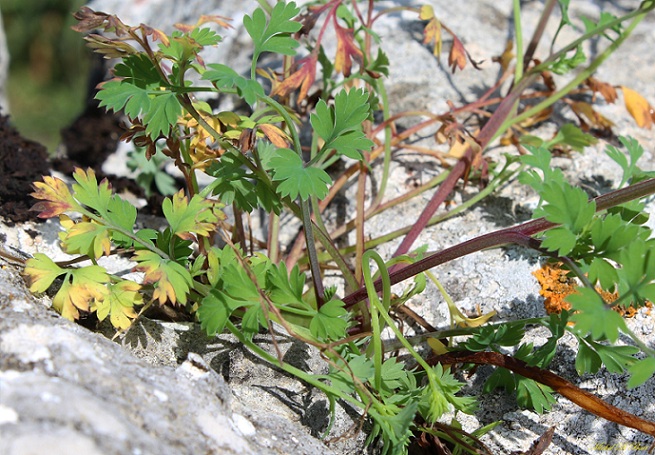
{"x": 170, "y": 280}
{"x": 162, "y": 114}
{"x": 225, "y": 77}
{"x": 330, "y": 322}
{"x": 340, "y": 126}
{"x": 296, "y": 179}
{"x": 593, "y": 316}
{"x": 273, "y": 35}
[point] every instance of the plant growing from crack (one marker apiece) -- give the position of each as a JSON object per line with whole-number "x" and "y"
{"x": 258, "y": 162}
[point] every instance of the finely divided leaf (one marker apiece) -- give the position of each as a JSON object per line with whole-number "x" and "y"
{"x": 330, "y": 321}
{"x": 205, "y": 36}
{"x": 226, "y": 78}
{"x": 189, "y": 217}
{"x": 593, "y": 316}
{"x": 273, "y": 35}
{"x": 566, "y": 205}
{"x": 89, "y": 193}
{"x": 117, "y": 213}
{"x": 56, "y": 196}
{"x": 41, "y": 272}
{"x": 559, "y": 239}
{"x": 214, "y": 312}
{"x": 637, "y": 274}
{"x": 81, "y": 289}
{"x": 340, "y": 126}
{"x": 296, "y": 179}
{"x": 587, "y": 359}
{"x": 566, "y": 63}
{"x": 641, "y": 372}
{"x": 116, "y": 95}
{"x": 531, "y": 394}
{"x": 285, "y": 288}
{"x": 162, "y": 114}
{"x": 85, "y": 237}
{"x": 139, "y": 71}
{"x": 119, "y": 304}
{"x": 170, "y": 280}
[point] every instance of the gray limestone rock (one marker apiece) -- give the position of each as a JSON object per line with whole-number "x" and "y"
{"x": 64, "y": 389}
{"x": 166, "y": 388}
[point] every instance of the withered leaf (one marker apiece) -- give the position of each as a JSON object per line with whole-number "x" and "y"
{"x": 457, "y": 55}
{"x": 432, "y": 30}
{"x": 346, "y": 50}
{"x": 607, "y": 91}
{"x": 638, "y": 108}
{"x": 303, "y": 77}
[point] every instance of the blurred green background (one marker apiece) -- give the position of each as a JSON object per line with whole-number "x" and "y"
{"x": 48, "y": 69}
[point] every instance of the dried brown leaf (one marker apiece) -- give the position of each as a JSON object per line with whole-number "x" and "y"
{"x": 607, "y": 91}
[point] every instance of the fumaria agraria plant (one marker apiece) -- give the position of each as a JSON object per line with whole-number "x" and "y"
{"x": 220, "y": 273}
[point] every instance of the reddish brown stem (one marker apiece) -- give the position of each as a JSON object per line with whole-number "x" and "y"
{"x": 560, "y": 385}
{"x": 517, "y": 234}
{"x": 459, "y": 170}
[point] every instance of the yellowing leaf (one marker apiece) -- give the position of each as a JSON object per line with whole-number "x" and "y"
{"x": 81, "y": 289}
{"x": 638, "y": 107}
{"x": 346, "y": 50}
{"x": 275, "y": 135}
{"x": 457, "y": 56}
{"x": 86, "y": 237}
{"x": 302, "y": 78}
{"x": 41, "y": 272}
{"x": 171, "y": 281}
{"x": 426, "y": 13}
{"x": 432, "y": 30}
{"x": 119, "y": 304}
{"x": 596, "y": 119}
{"x": 200, "y": 148}
{"x": 437, "y": 346}
{"x": 186, "y": 217}
{"x": 606, "y": 90}
{"x": 56, "y": 195}
{"x": 457, "y": 149}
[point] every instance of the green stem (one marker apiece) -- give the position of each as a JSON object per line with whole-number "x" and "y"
{"x": 386, "y": 164}
{"x": 129, "y": 234}
{"x": 300, "y": 374}
{"x": 380, "y": 308}
{"x": 518, "y": 34}
{"x": 582, "y": 76}
{"x": 376, "y": 309}
{"x": 598, "y": 31}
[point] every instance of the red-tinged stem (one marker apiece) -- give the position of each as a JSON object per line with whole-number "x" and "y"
{"x": 459, "y": 170}
{"x": 580, "y": 397}
{"x": 520, "y": 235}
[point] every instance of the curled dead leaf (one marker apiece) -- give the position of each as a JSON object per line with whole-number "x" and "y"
{"x": 302, "y": 78}
{"x": 607, "y": 91}
{"x": 457, "y": 56}
{"x": 589, "y": 116}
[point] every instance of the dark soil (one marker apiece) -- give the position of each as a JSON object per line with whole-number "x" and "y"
{"x": 22, "y": 162}
{"x": 88, "y": 142}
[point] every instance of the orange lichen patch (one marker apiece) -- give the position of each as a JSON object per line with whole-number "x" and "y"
{"x": 631, "y": 312}
{"x": 556, "y": 286}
